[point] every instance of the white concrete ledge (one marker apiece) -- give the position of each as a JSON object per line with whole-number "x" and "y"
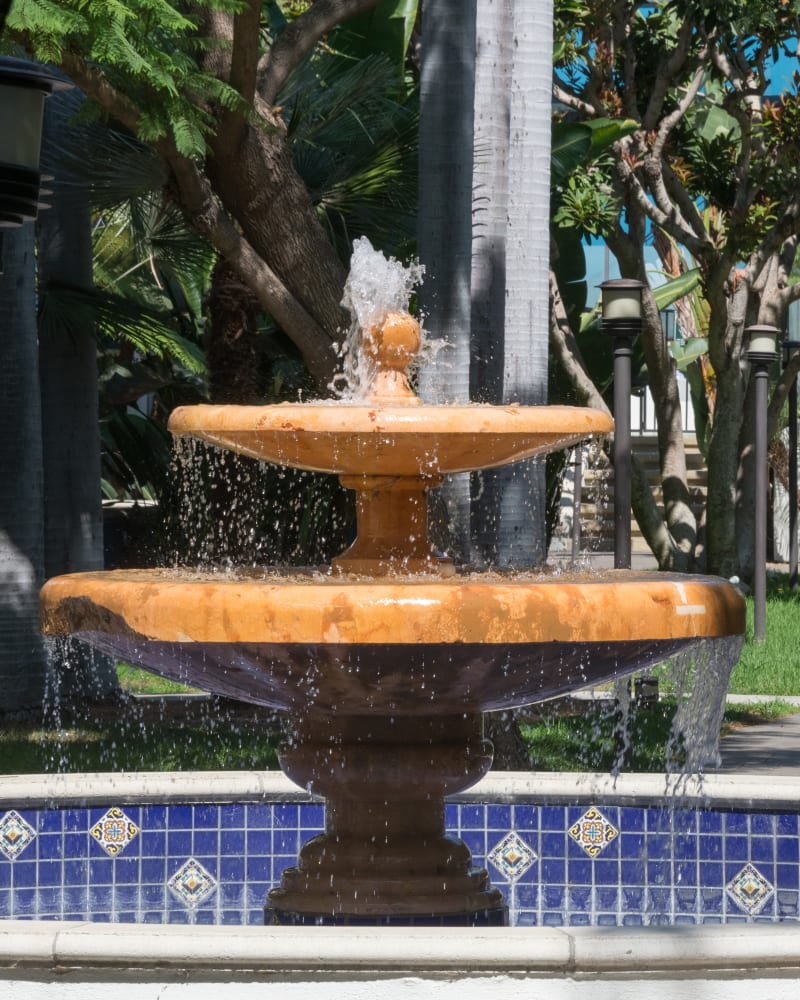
{"x": 49, "y": 960}
{"x": 206, "y": 950}
{"x": 720, "y": 790}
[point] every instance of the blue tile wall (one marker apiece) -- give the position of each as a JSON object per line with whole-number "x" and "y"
{"x": 557, "y": 865}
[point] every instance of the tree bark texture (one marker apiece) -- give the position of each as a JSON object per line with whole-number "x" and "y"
{"x": 22, "y": 656}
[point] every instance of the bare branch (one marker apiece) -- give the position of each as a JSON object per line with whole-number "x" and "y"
{"x": 667, "y": 71}
{"x": 685, "y": 203}
{"x": 787, "y": 227}
{"x": 243, "y": 32}
{"x": 668, "y": 217}
{"x": 564, "y": 349}
{"x": 298, "y": 38}
{"x": 573, "y": 101}
{"x": 671, "y": 120}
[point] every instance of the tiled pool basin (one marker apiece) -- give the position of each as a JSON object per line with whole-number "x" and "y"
{"x": 565, "y": 849}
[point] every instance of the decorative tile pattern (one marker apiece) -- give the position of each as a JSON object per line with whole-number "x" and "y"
{"x": 512, "y": 856}
{"x": 15, "y": 835}
{"x": 191, "y": 883}
{"x": 593, "y": 832}
{"x": 663, "y": 865}
{"x": 750, "y": 889}
{"x": 114, "y": 831}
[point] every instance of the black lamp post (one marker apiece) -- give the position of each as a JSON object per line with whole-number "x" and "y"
{"x": 23, "y": 89}
{"x": 761, "y": 353}
{"x": 789, "y": 347}
{"x": 622, "y": 320}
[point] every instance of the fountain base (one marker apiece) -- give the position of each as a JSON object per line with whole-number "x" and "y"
{"x": 384, "y": 857}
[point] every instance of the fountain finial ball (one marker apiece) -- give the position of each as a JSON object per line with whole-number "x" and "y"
{"x": 394, "y": 343}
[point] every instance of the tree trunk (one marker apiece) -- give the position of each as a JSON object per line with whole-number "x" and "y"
{"x": 73, "y": 519}
{"x": 725, "y": 343}
{"x": 444, "y": 242}
{"x": 22, "y": 656}
{"x": 261, "y": 189}
{"x": 521, "y": 509}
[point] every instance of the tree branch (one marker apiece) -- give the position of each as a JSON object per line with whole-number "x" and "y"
{"x": 667, "y": 71}
{"x": 573, "y": 101}
{"x": 207, "y": 217}
{"x": 93, "y": 82}
{"x": 242, "y": 68}
{"x": 298, "y": 38}
{"x": 244, "y": 59}
{"x": 670, "y": 220}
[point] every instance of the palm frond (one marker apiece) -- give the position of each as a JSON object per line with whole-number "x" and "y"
{"x": 117, "y": 318}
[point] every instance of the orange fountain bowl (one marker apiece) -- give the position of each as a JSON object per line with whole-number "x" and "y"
{"x": 415, "y": 645}
{"x": 363, "y": 440}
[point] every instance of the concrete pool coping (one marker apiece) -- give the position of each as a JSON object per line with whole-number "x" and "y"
{"x": 59, "y": 959}
{"x": 723, "y": 790}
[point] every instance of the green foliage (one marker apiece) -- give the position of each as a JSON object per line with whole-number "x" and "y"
{"x": 588, "y": 205}
{"x": 148, "y": 49}
{"x": 386, "y": 29}
{"x": 581, "y": 203}
{"x": 353, "y": 134}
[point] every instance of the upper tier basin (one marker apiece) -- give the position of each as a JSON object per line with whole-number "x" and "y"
{"x": 414, "y": 645}
{"x": 405, "y": 440}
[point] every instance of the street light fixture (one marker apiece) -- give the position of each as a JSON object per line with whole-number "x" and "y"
{"x": 622, "y": 320}
{"x": 790, "y": 346}
{"x": 23, "y": 89}
{"x": 761, "y": 353}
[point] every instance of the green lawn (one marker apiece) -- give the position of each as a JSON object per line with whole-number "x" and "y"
{"x": 772, "y": 667}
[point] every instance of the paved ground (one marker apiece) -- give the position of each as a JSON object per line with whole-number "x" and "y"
{"x": 773, "y": 748}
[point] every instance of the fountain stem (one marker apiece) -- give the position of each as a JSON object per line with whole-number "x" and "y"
{"x": 392, "y": 528}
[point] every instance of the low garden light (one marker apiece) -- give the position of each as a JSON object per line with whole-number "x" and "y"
{"x": 761, "y": 353}
{"x": 23, "y": 89}
{"x": 622, "y": 320}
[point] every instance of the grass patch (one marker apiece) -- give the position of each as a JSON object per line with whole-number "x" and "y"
{"x": 772, "y": 667}
{"x": 134, "y": 680}
{"x": 592, "y": 740}
{"x": 130, "y": 740}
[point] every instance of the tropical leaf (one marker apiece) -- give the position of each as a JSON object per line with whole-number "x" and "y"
{"x": 607, "y": 131}
{"x": 570, "y": 146}
{"x": 687, "y": 351}
{"x": 116, "y": 318}
{"x": 354, "y": 144}
{"x": 676, "y": 288}
{"x": 385, "y": 29}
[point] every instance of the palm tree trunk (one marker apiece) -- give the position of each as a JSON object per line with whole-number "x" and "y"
{"x": 22, "y": 657}
{"x": 444, "y": 242}
{"x": 73, "y": 517}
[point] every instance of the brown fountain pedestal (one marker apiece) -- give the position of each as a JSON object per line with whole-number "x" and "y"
{"x": 385, "y": 856}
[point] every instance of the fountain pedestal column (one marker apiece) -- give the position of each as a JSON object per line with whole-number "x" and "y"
{"x": 385, "y": 856}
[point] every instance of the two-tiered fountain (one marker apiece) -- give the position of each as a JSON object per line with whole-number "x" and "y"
{"x": 386, "y": 660}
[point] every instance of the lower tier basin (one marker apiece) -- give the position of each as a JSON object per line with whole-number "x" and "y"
{"x": 415, "y": 645}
